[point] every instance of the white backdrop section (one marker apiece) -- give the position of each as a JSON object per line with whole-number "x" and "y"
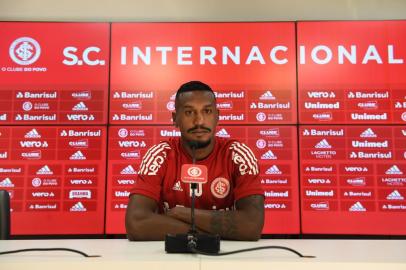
{"x": 200, "y": 10}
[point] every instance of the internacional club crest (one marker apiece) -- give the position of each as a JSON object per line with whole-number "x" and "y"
{"x": 194, "y": 171}
{"x": 220, "y": 187}
{"x": 25, "y": 51}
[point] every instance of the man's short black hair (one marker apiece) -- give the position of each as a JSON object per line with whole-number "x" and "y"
{"x": 193, "y": 86}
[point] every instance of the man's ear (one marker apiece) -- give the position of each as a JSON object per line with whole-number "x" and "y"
{"x": 174, "y": 119}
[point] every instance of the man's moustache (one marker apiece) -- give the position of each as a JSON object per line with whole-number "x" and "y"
{"x": 198, "y": 127}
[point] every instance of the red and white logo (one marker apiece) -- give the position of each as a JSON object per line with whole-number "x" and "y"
{"x": 32, "y": 154}
{"x": 137, "y": 133}
{"x": 36, "y": 182}
{"x": 136, "y": 105}
{"x": 261, "y": 116}
{"x": 368, "y": 133}
{"x": 267, "y": 96}
{"x": 78, "y": 207}
{"x": 6, "y": 182}
{"x": 170, "y": 106}
{"x": 131, "y": 154}
{"x": 25, "y": 51}
{"x": 27, "y": 106}
{"x": 128, "y": 170}
{"x": 325, "y": 116}
{"x": 320, "y": 206}
{"x": 220, "y": 187}
{"x": 78, "y": 155}
{"x": 80, "y": 194}
{"x": 122, "y": 132}
{"x": 223, "y": 133}
{"x": 225, "y": 105}
{"x": 271, "y": 132}
{"x": 33, "y": 133}
{"x": 192, "y": 173}
{"x": 44, "y": 170}
{"x": 83, "y": 95}
{"x": 81, "y": 143}
{"x": 261, "y": 143}
{"x": 404, "y": 116}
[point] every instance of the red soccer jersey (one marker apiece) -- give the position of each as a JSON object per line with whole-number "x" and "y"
{"x": 232, "y": 174}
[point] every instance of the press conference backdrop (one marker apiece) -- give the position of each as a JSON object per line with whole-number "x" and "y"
{"x": 322, "y": 105}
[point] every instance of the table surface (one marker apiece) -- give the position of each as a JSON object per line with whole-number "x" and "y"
{"x": 120, "y": 253}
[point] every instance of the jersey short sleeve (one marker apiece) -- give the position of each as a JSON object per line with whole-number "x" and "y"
{"x": 151, "y": 171}
{"x": 246, "y": 171}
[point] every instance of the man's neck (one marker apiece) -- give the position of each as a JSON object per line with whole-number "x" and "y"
{"x": 200, "y": 153}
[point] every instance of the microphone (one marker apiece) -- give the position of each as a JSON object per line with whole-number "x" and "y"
{"x": 192, "y": 242}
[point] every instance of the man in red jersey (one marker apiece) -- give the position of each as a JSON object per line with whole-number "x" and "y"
{"x": 230, "y": 204}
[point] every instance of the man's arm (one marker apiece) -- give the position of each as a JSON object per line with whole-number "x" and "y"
{"x": 245, "y": 223}
{"x": 144, "y": 223}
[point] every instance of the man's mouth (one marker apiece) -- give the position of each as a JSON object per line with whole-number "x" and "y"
{"x": 199, "y": 131}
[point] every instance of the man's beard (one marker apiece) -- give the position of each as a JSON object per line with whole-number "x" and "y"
{"x": 198, "y": 145}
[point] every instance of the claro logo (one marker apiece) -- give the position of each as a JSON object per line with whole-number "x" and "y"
{"x": 89, "y": 56}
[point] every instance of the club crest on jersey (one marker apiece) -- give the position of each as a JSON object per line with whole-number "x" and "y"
{"x": 220, "y": 187}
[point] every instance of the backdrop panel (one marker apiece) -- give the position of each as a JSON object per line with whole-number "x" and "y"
{"x": 353, "y": 179}
{"x": 56, "y": 178}
{"x": 352, "y": 72}
{"x": 275, "y": 147}
{"x": 54, "y": 73}
{"x": 251, "y": 66}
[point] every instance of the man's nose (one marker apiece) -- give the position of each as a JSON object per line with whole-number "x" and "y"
{"x": 199, "y": 119}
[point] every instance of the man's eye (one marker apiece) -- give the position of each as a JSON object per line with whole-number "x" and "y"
{"x": 208, "y": 111}
{"x": 188, "y": 113}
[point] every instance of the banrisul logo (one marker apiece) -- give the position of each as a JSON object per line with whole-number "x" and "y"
{"x": 25, "y": 51}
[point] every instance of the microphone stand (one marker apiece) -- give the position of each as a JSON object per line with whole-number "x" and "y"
{"x": 193, "y": 187}
{"x": 192, "y": 242}
{"x": 192, "y": 235}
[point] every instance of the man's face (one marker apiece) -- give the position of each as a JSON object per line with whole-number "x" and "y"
{"x": 196, "y": 117}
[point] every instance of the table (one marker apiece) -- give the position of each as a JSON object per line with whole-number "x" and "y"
{"x": 120, "y": 254}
